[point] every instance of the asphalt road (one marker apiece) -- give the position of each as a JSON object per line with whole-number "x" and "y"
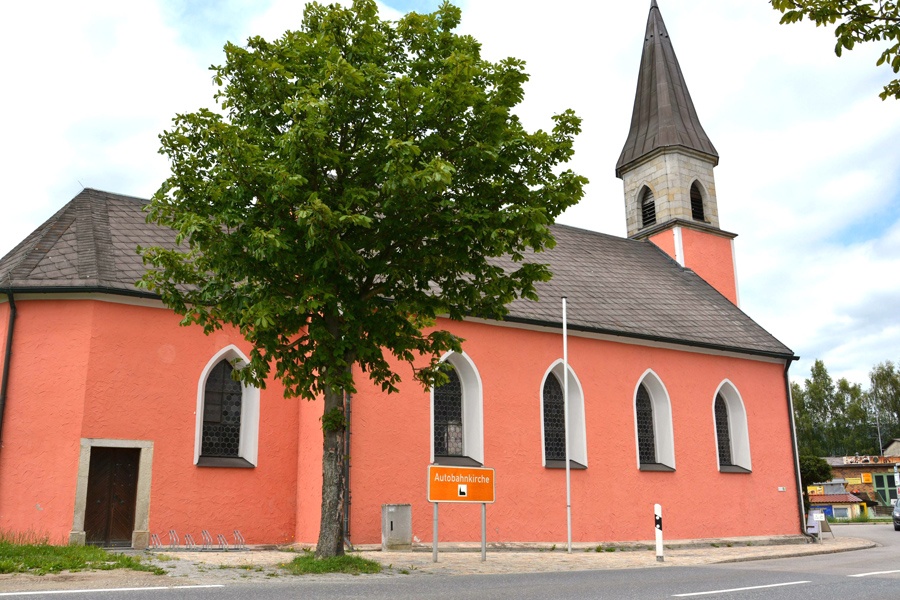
{"x": 862, "y": 574}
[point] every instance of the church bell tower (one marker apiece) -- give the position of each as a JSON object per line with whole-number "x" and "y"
{"x": 667, "y": 168}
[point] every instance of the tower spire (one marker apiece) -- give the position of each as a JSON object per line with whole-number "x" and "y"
{"x": 667, "y": 165}
{"x": 664, "y": 113}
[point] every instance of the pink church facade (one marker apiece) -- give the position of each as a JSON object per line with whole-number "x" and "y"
{"x": 90, "y": 372}
{"x": 118, "y": 424}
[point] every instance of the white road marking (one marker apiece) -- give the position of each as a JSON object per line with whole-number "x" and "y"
{"x": 874, "y": 573}
{"x": 755, "y": 587}
{"x": 133, "y": 589}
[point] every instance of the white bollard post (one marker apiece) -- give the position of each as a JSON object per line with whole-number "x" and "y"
{"x": 657, "y": 512}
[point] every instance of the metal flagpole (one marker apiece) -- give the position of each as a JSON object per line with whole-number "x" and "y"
{"x": 566, "y": 428}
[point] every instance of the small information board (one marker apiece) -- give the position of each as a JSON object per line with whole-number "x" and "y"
{"x": 460, "y": 484}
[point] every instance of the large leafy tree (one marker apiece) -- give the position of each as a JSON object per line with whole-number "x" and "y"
{"x": 361, "y": 178}
{"x": 855, "y": 21}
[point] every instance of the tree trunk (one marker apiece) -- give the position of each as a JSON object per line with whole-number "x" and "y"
{"x": 331, "y": 526}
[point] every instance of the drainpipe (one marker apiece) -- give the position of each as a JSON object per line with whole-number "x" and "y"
{"x": 790, "y": 402}
{"x": 4, "y": 383}
{"x": 346, "y": 492}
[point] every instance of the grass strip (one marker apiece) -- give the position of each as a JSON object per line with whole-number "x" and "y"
{"x": 42, "y": 558}
{"x": 308, "y": 564}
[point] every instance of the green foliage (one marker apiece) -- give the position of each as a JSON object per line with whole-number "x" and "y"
{"x": 26, "y": 554}
{"x": 833, "y": 419}
{"x": 308, "y": 564}
{"x": 857, "y": 21}
{"x": 884, "y": 393}
{"x": 361, "y": 179}
{"x": 813, "y": 470}
{"x": 333, "y": 420}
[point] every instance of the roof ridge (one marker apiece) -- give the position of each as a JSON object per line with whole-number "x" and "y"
{"x": 44, "y": 240}
{"x": 93, "y": 236}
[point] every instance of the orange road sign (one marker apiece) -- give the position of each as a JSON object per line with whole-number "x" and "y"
{"x": 460, "y": 484}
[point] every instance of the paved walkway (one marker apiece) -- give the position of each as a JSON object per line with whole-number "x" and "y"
{"x": 535, "y": 558}
{"x": 233, "y": 567}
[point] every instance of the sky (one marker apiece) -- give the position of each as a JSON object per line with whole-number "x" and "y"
{"x": 808, "y": 174}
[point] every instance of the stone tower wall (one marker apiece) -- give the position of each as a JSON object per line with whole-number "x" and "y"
{"x": 669, "y": 173}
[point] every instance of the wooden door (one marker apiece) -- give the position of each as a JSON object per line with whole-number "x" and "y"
{"x": 111, "y": 495}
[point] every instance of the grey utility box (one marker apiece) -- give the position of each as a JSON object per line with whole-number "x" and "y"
{"x": 396, "y": 527}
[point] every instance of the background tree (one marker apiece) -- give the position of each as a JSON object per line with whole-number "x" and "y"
{"x": 857, "y": 21}
{"x": 833, "y": 419}
{"x": 813, "y": 470}
{"x": 362, "y": 178}
{"x": 884, "y": 392}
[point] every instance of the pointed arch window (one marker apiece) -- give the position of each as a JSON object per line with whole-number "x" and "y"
{"x": 448, "y": 425}
{"x": 730, "y": 426}
{"x": 457, "y": 430}
{"x": 648, "y": 208}
{"x": 646, "y": 435}
{"x": 653, "y": 425}
{"x": 553, "y": 423}
{"x": 554, "y": 420}
{"x": 222, "y": 400}
{"x": 697, "y": 203}
{"x": 723, "y": 432}
{"x": 227, "y": 429}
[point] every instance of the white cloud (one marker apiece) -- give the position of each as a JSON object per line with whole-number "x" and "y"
{"x": 808, "y": 175}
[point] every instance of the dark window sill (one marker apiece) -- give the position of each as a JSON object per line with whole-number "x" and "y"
{"x": 561, "y": 464}
{"x": 733, "y": 469}
{"x": 657, "y": 467}
{"x": 224, "y": 461}
{"x": 456, "y": 461}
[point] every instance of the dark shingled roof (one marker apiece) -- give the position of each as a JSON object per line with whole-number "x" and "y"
{"x": 88, "y": 245}
{"x": 664, "y": 113}
{"x": 614, "y": 285}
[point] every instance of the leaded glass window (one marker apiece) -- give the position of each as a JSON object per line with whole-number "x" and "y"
{"x": 554, "y": 420}
{"x": 448, "y": 428}
{"x": 646, "y": 436}
{"x": 221, "y": 413}
{"x": 723, "y": 434}
{"x": 648, "y": 208}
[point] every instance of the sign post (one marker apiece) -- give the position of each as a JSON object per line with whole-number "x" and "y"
{"x": 467, "y": 485}
{"x": 819, "y": 518}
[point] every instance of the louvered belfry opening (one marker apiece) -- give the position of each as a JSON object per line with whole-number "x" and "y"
{"x": 222, "y": 413}
{"x": 448, "y": 429}
{"x": 646, "y": 434}
{"x": 723, "y": 434}
{"x": 648, "y": 208}
{"x": 554, "y": 420}
{"x": 697, "y": 203}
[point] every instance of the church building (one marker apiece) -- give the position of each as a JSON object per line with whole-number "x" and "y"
{"x": 117, "y": 424}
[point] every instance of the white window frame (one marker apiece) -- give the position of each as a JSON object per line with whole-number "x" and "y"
{"x": 472, "y": 406}
{"x": 737, "y": 427}
{"x": 663, "y": 432}
{"x": 248, "y": 447}
{"x": 577, "y": 425}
